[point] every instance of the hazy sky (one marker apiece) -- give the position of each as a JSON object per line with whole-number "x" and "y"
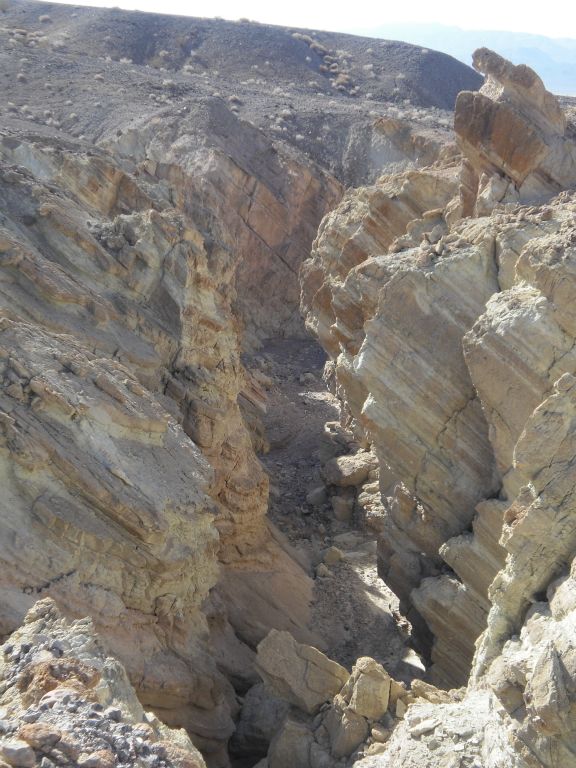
{"x": 553, "y": 18}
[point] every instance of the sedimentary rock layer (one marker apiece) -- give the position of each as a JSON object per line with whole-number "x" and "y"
{"x": 128, "y": 467}
{"x": 446, "y": 307}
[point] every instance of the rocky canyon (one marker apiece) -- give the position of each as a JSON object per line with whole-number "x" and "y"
{"x": 287, "y": 392}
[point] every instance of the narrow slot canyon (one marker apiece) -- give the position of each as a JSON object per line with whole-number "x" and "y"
{"x": 324, "y": 527}
{"x": 353, "y": 611}
{"x": 287, "y": 400}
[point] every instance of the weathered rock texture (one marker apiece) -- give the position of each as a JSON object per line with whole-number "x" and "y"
{"x": 513, "y": 132}
{"x": 137, "y": 246}
{"x": 152, "y": 224}
{"x": 161, "y": 181}
{"x": 65, "y": 702}
{"x": 300, "y": 674}
{"x": 336, "y": 717}
{"x": 452, "y": 337}
{"x": 128, "y": 471}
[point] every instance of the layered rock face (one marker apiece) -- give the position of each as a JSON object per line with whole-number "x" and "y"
{"x": 161, "y": 181}
{"x": 514, "y": 131}
{"x": 452, "y": 344}
{"x": 131, "y": 489}
{"x": 122, "y": 509}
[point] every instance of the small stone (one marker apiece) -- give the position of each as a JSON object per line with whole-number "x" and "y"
{"x": 69, "y": 746}
{"x": 17, "y": 753}
{"x": 425, "y": 726}
{"x": 113, "y": 713}
{"x": 57, "y": 648}
{"x": 322, "y": 571}
{"x": 333, "y": 555}
{"x": 103, "y": 758}
{"x": 349, "y": 470}
{"x": 58, "y": 757}
{"x": 380, "y": 734}
{"x": 400, "y": 708}
{"x": 343, "y": 508}
{"x": 376, "y": 749}
{"x": 317, "y": 496}
{"x": 40, "y": 735}
{"x": 5, "y": 726}
{"x": 30, "y": 717}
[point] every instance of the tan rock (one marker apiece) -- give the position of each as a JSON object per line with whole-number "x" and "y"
{"x": 260, "y": 720}
{"x": 429, "y": 692}
{"x": 513, "y": 126}
{"x": 346, "y": 729}
{"x": 342, "y": 507}
{"x": 333, "y": 555}
{"x": 351, "y": 469}
{"x": 40, "y": 735}
{"x": 368, "y": 689}
{"x": 102, "y": 758}
{"x": 17, "y": 753}
{"x": 298, "y": 673}
{"x": 291, "y": 746}
{"x": 401, "y": 708}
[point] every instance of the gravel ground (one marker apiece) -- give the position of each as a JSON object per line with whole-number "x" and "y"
{"x": 353, "y": 611}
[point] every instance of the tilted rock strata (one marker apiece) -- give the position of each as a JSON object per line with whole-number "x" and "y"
{"x": 130, "y": 274}
{"x": 268, "y": 203}
{"x": 443, "y": 354}
{"x": 513, "y": 134}
{"x": 519, "y": 705}
{"x": 65, "y": 701}
{"x": 126, "y": 282}
{"x": 375, "y": 314}
{"x": 86, "y": 524}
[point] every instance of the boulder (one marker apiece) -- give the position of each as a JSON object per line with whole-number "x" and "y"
{"x": 261, "y": 716}
{"x": 368, "y": 689}
{"x": 298, "y": 673}
{"x": 352, "y": 469}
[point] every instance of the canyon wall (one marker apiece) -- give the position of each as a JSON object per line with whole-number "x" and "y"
{"x": 134, "y": 265}
{"x": 444, "y": 299}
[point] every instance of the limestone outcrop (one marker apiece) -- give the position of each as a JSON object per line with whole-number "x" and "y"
{"x": 513, "y": 134}
{"x": 452, "y": 350}
{"x": 64, "y": 701}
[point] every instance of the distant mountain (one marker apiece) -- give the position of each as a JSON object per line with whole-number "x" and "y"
{"x": 553, "y": 58}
